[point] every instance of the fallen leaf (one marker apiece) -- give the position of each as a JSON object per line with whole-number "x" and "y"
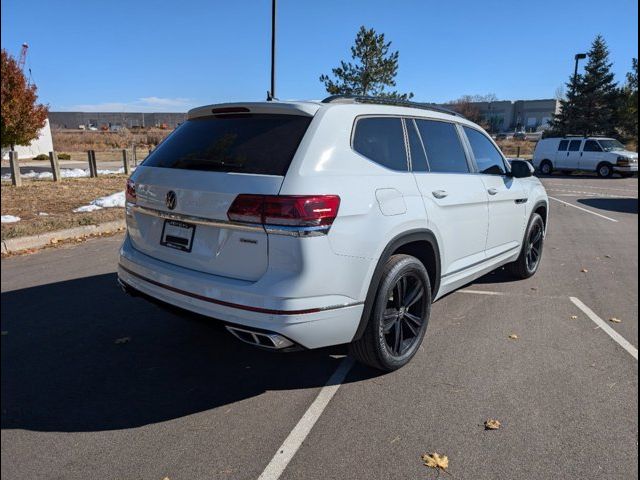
{"x": 123, "y": 340}
{"x": 435, "y": 460}
{"x": 584, "y": 270}
{"x": 607, "y": 256}
{"x": 615, "y": 320}
{"x": 513, "y": 336}
{"x": 54, "y": 241}
{"x": 492, "y": 424}
{"x": 574, "y": 317}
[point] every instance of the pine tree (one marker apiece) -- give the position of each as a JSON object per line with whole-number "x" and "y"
{"x": 374, "y": 69}
{"x": 629, "y": 103}
{"x": 592, "y": 99}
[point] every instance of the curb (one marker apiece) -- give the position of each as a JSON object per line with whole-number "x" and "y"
{"x": 14, "y": 245}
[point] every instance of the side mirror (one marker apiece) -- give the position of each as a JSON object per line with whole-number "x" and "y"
{"x": 521, "y": 168}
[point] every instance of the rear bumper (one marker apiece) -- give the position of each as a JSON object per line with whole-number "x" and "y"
{"x": 309, "y": 322}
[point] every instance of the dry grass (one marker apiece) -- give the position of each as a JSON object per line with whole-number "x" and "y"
{"x": 81, "y": 141}
{"x": 510, "y": 147}
{"x": 58, "y": 200}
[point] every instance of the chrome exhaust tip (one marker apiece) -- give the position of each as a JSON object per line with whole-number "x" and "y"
{"x": 270, "y": 340}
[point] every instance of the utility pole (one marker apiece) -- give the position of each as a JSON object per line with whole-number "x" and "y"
{"x": 272, "y": 92}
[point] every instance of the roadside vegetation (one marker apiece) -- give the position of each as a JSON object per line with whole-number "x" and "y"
{"x": 45, "y": 206}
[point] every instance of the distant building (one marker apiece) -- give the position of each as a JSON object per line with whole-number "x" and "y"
{"x": 115, "y": 120}
{"x": 528, "y": 115}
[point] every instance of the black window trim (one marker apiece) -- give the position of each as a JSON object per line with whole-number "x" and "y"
{"x": 424, "y": 150}
{"x": 404, "y": 135}
{"x": 462, "y": 137}
{"x": 465, "y": 149}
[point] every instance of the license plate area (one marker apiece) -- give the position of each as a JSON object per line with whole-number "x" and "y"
{"x": 177, "y": 235}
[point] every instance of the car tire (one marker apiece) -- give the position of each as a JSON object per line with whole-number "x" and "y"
{"x": 530, "y": 256}
{"x": 398, "y": 322}
{"x": 605, "y": 170}
{"x": 546, "y": 167}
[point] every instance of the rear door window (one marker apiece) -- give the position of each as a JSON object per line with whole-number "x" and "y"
{"x": 487, "y": 156}
{"x": 381, "y": 139}
{"x": 564, "y": 144}
{"x": 574, "y": 146}
{"x": 444, "y": 150}
{"x": 246, "y": 143}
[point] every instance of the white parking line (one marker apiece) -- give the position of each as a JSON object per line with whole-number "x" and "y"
{"x": 482, "y": 292}
{"x": 293, "y": 442}
{"x": 629, "y": 190}
{"x": 591, "y": 194}
{"x": 584, "y": 209}
{"x": 619, "y": 339}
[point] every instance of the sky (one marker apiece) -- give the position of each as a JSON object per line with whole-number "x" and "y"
{"x": 144, "y": 55}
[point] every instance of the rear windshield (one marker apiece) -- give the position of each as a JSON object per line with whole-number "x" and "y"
{"x": 245, "y": 143}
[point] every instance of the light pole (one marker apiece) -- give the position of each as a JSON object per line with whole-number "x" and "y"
{"x": 272, "y": 92}
{"x": 578, "y": 57}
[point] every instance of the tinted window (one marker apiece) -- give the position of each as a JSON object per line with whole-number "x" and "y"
{"x": 247, "y": 143}
{"x": 418, "y": 158}
{"x": 592, "y": 146}
{"x": 564, "y": 144}
{"x": 442, "y": 144}
{"x": 381, "y": 140}
{"x": 488, "y": 158}
{"x": 574, "y": 146}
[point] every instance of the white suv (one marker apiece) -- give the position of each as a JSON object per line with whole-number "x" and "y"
{"x": 596, "y": 154}
{"x": 309, "y": 224}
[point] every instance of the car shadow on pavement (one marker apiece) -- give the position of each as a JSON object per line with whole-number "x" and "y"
{"x": 623, "y": 205}
{"x": 82, "y": 356}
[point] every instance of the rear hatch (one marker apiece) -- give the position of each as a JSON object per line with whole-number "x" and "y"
{"x": 183, "y": 190}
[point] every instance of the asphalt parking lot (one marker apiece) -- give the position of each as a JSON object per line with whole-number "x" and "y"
{"x": 99, "y": 385}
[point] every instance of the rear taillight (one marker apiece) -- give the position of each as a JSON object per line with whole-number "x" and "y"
{"x": 130, "y": 191}
{"x": 285, "y": 210}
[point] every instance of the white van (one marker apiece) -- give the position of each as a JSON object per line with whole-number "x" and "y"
{"x": 596, "y": 154}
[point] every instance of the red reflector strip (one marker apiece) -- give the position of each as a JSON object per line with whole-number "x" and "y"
{"x": 233, "y": 305}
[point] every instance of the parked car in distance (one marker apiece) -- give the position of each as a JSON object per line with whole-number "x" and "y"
{"x": 309, "y": 224}
{"x": 500, "y": 136}
{"x": 594, "y": 154}
{"x": 520, "y": 135}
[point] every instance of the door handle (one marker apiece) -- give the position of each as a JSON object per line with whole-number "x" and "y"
{"x": 492, "y": 191}
{"x": 440, "y": 193}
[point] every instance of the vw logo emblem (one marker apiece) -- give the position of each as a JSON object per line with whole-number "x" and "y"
{"x": 171, "y": 200}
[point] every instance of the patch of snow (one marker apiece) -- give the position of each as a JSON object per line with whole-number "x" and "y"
{"x": 43, "y": 214}
{"x": 115, "y": 200}
{"x": 9, "y": 219}
{"x": 64, "y": 173}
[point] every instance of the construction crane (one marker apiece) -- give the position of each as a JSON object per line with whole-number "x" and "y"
{"x": 23, "y": 56}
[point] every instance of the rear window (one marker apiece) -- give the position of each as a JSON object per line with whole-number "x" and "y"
{"x": 381, "y": 139}
{"x": 246, "y": 143}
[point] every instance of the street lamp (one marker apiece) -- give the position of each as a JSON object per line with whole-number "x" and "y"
{"x": 578, "y": 57}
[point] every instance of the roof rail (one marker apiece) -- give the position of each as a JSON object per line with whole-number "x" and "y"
{"x": 343, "y": 98}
